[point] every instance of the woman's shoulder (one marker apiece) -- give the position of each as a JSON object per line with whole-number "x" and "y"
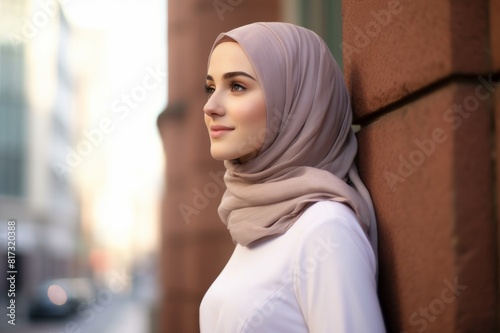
{"x": 329, "y": 214}
{"x": 334, "y": 223}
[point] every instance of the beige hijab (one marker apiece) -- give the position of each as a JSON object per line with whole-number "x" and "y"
{"x": 309, "y": 149}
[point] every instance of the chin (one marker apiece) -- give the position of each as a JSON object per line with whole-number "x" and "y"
{"x": 219, "y": 156}
{"x": 215, "y": 157}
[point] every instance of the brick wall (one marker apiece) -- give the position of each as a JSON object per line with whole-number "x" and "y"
{"x": 418, "y": 73}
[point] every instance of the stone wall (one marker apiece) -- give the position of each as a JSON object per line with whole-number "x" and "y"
{"x": 420, "y": 75}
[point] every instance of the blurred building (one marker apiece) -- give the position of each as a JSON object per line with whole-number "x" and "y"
{"x": 424, "y": 78}
{"x": 36, "y": 128}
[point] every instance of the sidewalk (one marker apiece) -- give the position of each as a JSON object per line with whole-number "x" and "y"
{"x": 133, "y": 317}
{"x": 125, "y": 314}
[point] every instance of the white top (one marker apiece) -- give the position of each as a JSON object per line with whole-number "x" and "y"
{"x": 318, "y": 277}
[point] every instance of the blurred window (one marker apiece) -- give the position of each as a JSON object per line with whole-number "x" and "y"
{"x": 325, "y": 18}
{"x": 12, "y": 120}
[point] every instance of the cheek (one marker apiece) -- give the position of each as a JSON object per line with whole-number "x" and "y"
{"x": 253, "y": 114}
{"x": 259, "y": 120}
{"x": 207, "y": 120}
{"x": 252, "y": 122}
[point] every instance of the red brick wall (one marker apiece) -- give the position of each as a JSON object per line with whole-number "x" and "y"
{"x": 195, "y": 245}
{"x": 427, "y": 145}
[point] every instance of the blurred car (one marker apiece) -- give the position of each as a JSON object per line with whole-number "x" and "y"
{"x": 60, "y": 298}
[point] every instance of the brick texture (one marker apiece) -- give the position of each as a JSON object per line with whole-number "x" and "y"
{"x": 496, "y": 154}
{"x": 416, "y": 71}
{"x": 393, "y": 48}
{"x": 425, "y": 165}
{"x": 495, "y": 33}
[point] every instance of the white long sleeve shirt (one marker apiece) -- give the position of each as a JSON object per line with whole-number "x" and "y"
{"x": 318, "y": 277}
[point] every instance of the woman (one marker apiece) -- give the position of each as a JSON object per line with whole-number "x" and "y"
{"x": 278, "y": 115}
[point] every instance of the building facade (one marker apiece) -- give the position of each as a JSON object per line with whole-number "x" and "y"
{"x": 35, "y": 129}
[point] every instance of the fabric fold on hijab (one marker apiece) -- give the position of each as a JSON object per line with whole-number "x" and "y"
{"x": 309, "y": 149}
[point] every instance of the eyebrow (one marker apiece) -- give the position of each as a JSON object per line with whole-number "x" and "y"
{"x": 230, "y": 75}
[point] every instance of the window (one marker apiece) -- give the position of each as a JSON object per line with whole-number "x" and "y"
{"x": 12, "y": 121}
{"x": 325, "y": 18}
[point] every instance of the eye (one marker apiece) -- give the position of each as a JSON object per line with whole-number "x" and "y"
{"x": 236, "y": 87}
{"x": 209, "y": 90}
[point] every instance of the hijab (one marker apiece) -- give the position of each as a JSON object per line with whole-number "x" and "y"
{"x": 309, "y": 148}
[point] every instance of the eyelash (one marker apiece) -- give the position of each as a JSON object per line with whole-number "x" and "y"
{"x": 234, "y": 84}
{"x": 210, "y": 90}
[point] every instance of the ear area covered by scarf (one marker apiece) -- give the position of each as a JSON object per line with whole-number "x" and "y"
{"x": 309, "y": 148}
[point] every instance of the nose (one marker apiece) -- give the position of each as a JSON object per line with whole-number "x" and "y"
{"x": 214, "y": 106}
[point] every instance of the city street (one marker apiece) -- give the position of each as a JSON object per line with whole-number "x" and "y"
{"x": 123, "y": 314}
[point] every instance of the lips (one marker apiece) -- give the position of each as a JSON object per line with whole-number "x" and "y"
{"x": 217, "y": 131}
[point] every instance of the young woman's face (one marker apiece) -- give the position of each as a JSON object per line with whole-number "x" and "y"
{"x": 235, "y": 113}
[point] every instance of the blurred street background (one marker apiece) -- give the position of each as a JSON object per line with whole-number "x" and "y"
{"x": 109, "y": 194}
{"x": 81, "y": 165}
